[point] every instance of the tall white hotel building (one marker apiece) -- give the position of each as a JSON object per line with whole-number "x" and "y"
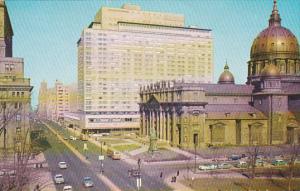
{"x": 124, "y": 48}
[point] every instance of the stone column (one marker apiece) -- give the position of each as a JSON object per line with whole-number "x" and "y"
{"x": 142, "y": 122}
{"x": 173, "y": 127}
{"x": 155, "y": 121}
{"x": 161, "y": 124}
{"x": 170, "y": 126}
{"x": 167, "y": 134}
{"x": 148, "y": 123}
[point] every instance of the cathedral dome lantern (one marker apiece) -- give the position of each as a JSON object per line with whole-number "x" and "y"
{"x": 275, "y": 45}
{"x": 226, "y": 77}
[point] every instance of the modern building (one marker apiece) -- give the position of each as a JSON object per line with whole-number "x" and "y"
{"x": 15, "y": 89}
{"x": 55, "y": 102}
{"x": 265, "y": 110}
{"x": 126, "y": 47}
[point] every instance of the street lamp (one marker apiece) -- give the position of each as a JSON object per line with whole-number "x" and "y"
{"x": 101, "y": 159}
{"x": 139, "y": 179}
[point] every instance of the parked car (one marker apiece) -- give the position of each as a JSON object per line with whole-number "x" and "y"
{"x": 59, "y": 179}
{"x": 67, "y": 188}
{"x": 242, "y": 164}
{"x": 235, "y": 157}
{"x": 62, "y": 165}
{"x": 207, "y": 167}
{"x": 279, "y": 162}
{"x": 259, "y": 162}
{"x": 224, "y": 166}
{"x": 87, "y": 182}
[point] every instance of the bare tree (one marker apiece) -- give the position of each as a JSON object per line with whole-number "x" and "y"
{"x": 15, "y": 153}
{"x": 253, "y": 151}
{"x": 294, "y": 151}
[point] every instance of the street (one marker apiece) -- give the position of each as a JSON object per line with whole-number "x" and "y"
{"x": 76, "y": 170}
{"x": 115, "y": 170}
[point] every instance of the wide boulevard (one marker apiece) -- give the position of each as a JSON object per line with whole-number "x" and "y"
{"x": 115, "y": 170}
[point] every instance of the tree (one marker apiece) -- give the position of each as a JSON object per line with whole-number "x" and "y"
{"x": 253, "y": 151}
{"x": 294, "y": 151}
{"x": 16, "y": 150}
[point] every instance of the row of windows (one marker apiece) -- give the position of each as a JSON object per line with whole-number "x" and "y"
{"x": 112, "y": 120}
{"x": 18, "y": 94}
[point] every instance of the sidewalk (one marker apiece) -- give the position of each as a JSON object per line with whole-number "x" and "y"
{"x": 190, "y": 176}
{"x": 41, "y": 176}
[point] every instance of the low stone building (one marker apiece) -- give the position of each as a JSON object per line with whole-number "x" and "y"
{"x": 265, "y": 110}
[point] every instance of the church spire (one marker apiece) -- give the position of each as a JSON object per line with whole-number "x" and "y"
{"x": 275, "y": 19}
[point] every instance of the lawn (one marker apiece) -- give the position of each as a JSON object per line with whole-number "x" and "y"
{"x": 77, "y": 144}
{"x": 239, "y": 184}
{"x": 128, "y": 147}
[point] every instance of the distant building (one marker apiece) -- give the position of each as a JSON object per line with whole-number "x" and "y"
{"x": 126, "y": 47}
{"x": 266, "y": 110}
{"x": 55, "y": 102}
{"x": 15, "y": 89}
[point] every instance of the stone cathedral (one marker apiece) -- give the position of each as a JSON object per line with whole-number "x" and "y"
{"x": 264, "y": 111}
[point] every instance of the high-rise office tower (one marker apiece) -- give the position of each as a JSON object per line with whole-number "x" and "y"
{"x": 124, "y": 48}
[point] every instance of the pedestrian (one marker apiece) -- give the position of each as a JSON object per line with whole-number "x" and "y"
{"x": 177, "y": 172}
{"x": 174, "y": 178}
{"x": 161, "y": 174}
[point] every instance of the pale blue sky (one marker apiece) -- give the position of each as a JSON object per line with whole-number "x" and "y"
{"x": 46, "y": 31}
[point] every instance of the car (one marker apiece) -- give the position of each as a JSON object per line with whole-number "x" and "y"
{"x": 279, "y": 162}
{"x": 67, "y": 188}
{"x": 62, "y": 165}
{"x": 235, "y": 157}
{"x": 3, "y": 172}
{"x": 207, "y": 167}
{"x": 6, "y": 172}
{"x": 242, "y": 164}
{"x": 259, "y": 162}
{"x": 224, "y": 166}
{"x": 87, "y": 182}
{"x": 59, "y": 179}
{"x": 65, "y": 138}
{"x": 115, "y": 155}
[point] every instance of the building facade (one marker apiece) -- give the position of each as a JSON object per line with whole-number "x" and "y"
{"x": 266, "y": 110}
{"x": 127, "y": 47}
{"x": 15, "y": 89}
{"x": 55, "y": 102}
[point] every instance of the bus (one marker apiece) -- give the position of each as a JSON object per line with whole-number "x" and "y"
{"x": 83, "y": 137}
{"x": 115, "y": 155}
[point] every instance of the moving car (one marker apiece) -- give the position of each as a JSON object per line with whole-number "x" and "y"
{"x": 67, "y": 188}
{"x": 62, "y": 165}
{"x": 58, "y": 179}
{"x": 87, "y": 182}
{"x": 83, "y": 137}
{"x": 207, "y": 167}
{"x": 73, "y": 138}
{"x": 224, "y": 166}
{"x": 115, "y": 155}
